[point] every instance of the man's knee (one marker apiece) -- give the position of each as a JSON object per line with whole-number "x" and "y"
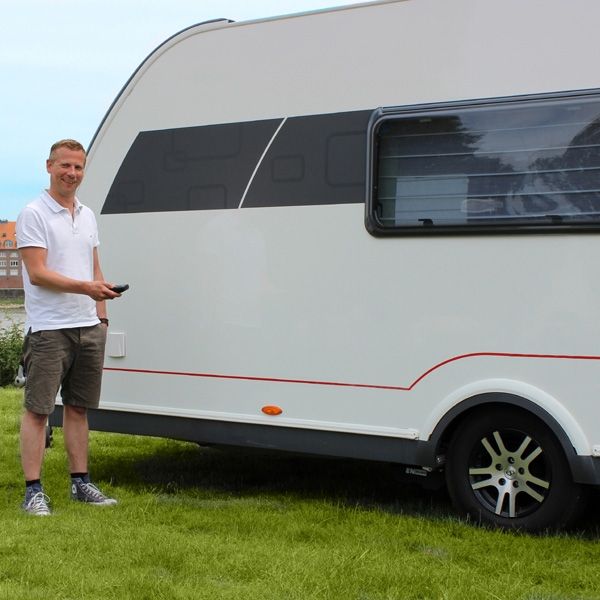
{"x": 76, "y": 412}
{"x": 33, "y": 419}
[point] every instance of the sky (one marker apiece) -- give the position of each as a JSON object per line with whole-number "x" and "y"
{"x": 62, "y": 63}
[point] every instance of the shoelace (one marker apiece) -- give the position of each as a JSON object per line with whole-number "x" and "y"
{"x": 93, "y": 492}
{"x": 38, "y": 504}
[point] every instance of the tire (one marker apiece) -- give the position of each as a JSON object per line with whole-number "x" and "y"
{"x": 506, "y": 469}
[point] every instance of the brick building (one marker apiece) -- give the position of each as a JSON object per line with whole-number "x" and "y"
{"x": 11, "y": 270}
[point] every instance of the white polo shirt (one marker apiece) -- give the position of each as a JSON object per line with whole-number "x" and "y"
{"x": 70, "y": 243}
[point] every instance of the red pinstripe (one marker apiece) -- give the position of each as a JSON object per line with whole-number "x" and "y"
{"x": 359, "y": 385}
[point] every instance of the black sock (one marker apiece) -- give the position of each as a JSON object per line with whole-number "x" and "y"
{"x": 32, "y": 482}
{"x": 83, "y": 476}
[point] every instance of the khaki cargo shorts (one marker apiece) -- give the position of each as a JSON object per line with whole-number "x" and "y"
{"x": 67, "y": 359}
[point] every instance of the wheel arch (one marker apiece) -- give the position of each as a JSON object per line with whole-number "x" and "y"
{"x": 581, "y": 467}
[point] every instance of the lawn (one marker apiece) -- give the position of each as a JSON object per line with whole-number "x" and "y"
{"x": 196, "y": 522}
{"x": 12, "y": 302}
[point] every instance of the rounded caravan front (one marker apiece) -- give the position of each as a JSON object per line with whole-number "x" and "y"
{"x": 361, "y": 232}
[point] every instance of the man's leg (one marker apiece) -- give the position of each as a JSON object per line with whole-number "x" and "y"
{"x": 80, "y": 391}
{"x": 46, "y": 356}
{"x": 33, "y": 444}
{"x": 76, "y": 432}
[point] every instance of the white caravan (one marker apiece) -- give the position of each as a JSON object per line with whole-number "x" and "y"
{"x": 370, "y": 231}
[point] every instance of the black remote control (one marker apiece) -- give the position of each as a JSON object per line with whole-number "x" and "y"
{"x": 120, "y": 288}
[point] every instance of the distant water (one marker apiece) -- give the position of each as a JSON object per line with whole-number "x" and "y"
{"x": 8, "y": 316}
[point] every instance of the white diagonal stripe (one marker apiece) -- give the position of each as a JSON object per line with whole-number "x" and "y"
{"x": 260, "y": 161}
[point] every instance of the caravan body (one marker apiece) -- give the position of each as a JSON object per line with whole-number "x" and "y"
{"x": 365, "y": 232}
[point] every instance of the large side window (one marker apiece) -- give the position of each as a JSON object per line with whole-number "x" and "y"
{"x": 514, "y": 165}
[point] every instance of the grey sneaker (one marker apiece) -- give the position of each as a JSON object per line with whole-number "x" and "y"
{"x": 87, "y": 492}
{"x": 36, "y": 503}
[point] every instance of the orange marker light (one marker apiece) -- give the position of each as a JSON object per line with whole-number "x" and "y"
{"x": 272, "y": 411}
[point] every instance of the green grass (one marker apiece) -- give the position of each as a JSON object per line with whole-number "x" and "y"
{"x": 238, "y": 524}
{"x": 12, "y": 302}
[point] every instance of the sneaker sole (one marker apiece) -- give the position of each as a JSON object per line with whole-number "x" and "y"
{"x": 94, "y": 503}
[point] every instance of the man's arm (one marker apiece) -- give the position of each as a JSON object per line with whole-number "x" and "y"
{"x": 98, "y": 276}
{"x": 34, "y": 259}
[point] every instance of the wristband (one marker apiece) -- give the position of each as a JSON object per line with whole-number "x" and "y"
{"x": 104, "y": 320}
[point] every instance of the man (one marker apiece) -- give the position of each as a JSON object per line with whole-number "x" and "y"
{"x": 66, "y": 324}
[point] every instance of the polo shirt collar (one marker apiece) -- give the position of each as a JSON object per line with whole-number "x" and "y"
{"x": 55, "y": 206}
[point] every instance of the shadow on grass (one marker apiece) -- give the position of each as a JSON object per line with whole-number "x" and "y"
{"x": 170, "y": 467}
{"x": 173, "y": 467}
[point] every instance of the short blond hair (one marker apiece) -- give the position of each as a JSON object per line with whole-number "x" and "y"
{"x": 70, "y": 144}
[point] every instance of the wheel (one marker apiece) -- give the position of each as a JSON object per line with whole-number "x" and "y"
{"x": 505, "y": 468}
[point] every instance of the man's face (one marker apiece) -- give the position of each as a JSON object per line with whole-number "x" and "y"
{"x": 66, "y": 171}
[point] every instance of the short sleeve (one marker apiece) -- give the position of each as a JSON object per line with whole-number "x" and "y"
{"x": 31, "y": 230}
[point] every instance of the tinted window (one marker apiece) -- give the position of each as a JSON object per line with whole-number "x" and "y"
{"x": 314, "y": 159}
{"x": 191, "y": 168}
{"x": 528, "y": 164}
{"x": 318, "y": 159}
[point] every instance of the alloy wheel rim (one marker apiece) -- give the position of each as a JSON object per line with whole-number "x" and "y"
{"x": 509, "y": 473}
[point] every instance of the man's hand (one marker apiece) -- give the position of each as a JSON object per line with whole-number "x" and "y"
{"x": 100, "y": 290}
